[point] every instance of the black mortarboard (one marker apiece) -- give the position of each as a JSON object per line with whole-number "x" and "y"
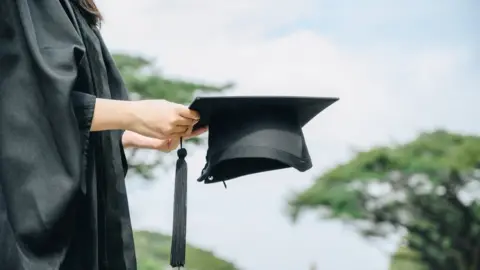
{"x": 247, "y": 135}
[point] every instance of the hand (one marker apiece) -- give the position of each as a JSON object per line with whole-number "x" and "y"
{"x": 131, "y": 139}
{"x": 161, "y": 119}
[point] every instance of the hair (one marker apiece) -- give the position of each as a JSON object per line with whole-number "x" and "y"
{"x": 91, "y": 12}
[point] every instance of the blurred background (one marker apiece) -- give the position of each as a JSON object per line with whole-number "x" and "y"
{"x": 395, "y": 179}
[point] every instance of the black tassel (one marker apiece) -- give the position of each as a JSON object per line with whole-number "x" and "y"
{"x": 179, "y": 234}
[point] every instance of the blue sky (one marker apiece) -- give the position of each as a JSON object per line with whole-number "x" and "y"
{"x": 419, "y": 23}
{"x": 399, "y": 67}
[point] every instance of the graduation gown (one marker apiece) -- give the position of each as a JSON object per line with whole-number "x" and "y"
{"x": 63, "y": 202}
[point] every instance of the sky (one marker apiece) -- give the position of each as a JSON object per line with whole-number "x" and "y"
{"x": 398, "y": 67}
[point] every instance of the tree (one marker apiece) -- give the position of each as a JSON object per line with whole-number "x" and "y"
{"x": 427, "y": 187}
{"x": 153, "y": 251}
{"x": 406, "y": 259}
{"x": 145, "y": 81}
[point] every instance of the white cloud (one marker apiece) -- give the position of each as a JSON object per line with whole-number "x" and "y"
{"x": 383, "y": 92}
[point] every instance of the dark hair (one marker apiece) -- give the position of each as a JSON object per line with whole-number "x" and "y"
{"x": 91, "y": 12}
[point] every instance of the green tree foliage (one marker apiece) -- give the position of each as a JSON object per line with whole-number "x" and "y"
{"x": 428, "y": 187}
{"x": 406, "y": 259}
{"x": 145, "y": 81}
{"x": 153, "y": 253}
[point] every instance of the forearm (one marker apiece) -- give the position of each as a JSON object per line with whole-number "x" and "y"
{"x": 112, "y": 115}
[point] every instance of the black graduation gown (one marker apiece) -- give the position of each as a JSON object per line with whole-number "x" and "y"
{"x": 63, "y": 202}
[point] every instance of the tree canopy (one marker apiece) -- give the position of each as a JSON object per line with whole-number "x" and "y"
{"x": 406, "y": 259}
{"x": 428, "y": 187}
{"x": 145, "y": 81}
{"x": 153, "y": 253}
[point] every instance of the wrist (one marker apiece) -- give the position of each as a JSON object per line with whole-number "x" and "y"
{"x": 113, "y": 115}
{"x": 127, "y": 115}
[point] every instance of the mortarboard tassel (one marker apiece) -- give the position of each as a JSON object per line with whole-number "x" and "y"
{"x": 179, "y": 234}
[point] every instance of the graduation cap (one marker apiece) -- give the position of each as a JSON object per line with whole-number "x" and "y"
{"x": 247, "y": 135}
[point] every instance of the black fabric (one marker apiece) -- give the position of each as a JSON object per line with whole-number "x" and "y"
{"x": 63, "y": 202}
{"x": 83, "y": 106}
{"x": 250, "y": 135}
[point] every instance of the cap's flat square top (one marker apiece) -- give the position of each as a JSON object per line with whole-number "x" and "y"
{"x": 305, "y": 107}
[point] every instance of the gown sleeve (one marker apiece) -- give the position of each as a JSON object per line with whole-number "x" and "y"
{"x": 40, "y": 140}
{"x": 84, "y": 106}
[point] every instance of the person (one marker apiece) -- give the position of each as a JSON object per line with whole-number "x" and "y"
{"x": 65, "y": 120}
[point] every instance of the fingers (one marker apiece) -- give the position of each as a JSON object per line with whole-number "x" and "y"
{"x": 192, "y": 134}
{"x": 174, "y": 141}
{"x": 181, "y": 130}
{"x": 168, "y": 145}
{"x": 188, "y": 133}
{"x": 182, "y": 121}
{"x": 186, "y": 117}
{"x": 185, "y": 112}
{"x": 172, "y": 144}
